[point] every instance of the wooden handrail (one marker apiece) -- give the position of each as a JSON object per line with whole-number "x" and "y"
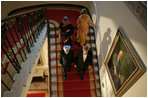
{"x": 23, "y": 34}
{"x": 19, "y": 14}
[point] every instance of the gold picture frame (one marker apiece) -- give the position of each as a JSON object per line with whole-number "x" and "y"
{"x": 123, "y": 64}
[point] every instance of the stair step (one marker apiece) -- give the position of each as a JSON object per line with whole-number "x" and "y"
{"x": 52, "y": 35}
{"x": 51, "y": 25}
{"x": 53, "y": 48}
{"x": 52, "y": 42}
{"x": 10, "y": 94}
{"x": 76, "y": 89}
{"x": 18, "y": 84}
{"x": 96, "y": 68}
{"x": 94, "y": 52}
{"x": 54, "y": 94}
{"x": 52, "y": 32}
{"x": 25, "y": 72}
{"x": 55, "y": 74}
{"x": 53, "y": 70}
{"x": 54, "y": 88}
{"x": 98, "y": 91}
{"x": 54, "y": 80}
{"x": 91, "y": 30}
{"x": 73, "y": 90}
{"x": 59, "y": 48}
{"x": 76, "y": 84}
{"x": 53, "y": 64}
{"x": 52, "y": 28}
{"x": 54, "y": 51}
{"x": 74, "y": 93}
{"x": 53, "y": 57}
{"x": 97, "y": 84}
{"x": 53, "y": 60}
{"x": 71, "y": 72}
{"x": 31, "y": 60}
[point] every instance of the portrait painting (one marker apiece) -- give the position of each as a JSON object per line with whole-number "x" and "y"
{"x": 123, "y": 64}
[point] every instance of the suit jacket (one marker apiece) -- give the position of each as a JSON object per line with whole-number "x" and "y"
{"x": 66, "y": 59}
{"x": 79, "y": 60}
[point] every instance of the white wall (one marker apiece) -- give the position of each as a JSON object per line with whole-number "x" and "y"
{"x": 44, "y": 58}
{"x": 44, "y": 52}
{"x": 107, "y": 16}
{"x": 111, "y": 16}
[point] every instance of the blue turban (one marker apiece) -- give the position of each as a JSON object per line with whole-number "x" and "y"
{"x": 65, "y": 18}
{"x": 85, "y": 47}
{"x": 66, "y": 47}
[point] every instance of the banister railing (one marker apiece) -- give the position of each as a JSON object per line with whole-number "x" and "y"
{"x": 19, "y": 33}
{"x": 22, "y": 13}
{"x": 49, "y": 61}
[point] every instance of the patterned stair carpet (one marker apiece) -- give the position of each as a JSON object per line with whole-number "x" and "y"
{"x": 73, "y": 86}
{"x": 38, "y": 93}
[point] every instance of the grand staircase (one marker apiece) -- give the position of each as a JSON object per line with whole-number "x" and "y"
{"x": 20, "y": 63}
{"x": 23, "y": 36}
{"x": 73, "y": 86}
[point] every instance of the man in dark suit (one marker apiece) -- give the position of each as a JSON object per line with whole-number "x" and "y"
{"x": 83, "y": 60}
{"x": 66, "y": 59}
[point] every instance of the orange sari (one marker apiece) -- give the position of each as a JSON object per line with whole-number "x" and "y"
{"x": 83, "y": 29}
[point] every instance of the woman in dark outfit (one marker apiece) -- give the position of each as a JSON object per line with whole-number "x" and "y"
{"x": 66, "y": 31}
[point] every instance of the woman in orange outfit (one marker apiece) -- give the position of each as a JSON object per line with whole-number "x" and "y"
{"x": 83, "y": 26}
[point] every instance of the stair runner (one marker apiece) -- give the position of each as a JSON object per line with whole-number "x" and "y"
{"x": 73, "y": 86}
{"x": 38, "y": 93}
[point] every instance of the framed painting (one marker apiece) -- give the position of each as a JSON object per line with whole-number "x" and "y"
{"x": 123, "y": 64}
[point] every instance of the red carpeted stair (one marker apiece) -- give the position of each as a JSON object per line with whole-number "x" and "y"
{"x": 38, "y": 93}
{"x": 73, "y": 86}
